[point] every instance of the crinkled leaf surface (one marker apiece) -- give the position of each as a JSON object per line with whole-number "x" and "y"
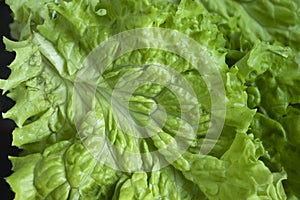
{"x": 255, "y": 46}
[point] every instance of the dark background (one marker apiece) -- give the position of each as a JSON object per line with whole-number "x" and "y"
{"x": 6, "y": 125}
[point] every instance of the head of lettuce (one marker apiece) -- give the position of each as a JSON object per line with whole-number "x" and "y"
{"x": 146, "y": 125}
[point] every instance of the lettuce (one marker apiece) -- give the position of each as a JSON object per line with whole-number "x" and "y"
{"x": 248, "y": 149}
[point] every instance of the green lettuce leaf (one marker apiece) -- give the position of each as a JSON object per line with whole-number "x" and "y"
{"x": 238, "y": 174}
{"x": 272, "y": 75}
{"x": 255, "y": 47}
{"x": 167, "y": 183}
{"x": 245, "y": 22}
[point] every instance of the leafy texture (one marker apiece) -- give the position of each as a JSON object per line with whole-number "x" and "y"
{"x": 238, "y": 174}
{"x": 255, "y": 46}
